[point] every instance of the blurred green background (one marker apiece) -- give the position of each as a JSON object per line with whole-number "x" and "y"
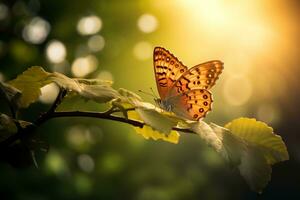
{"x": 109, "y": 39}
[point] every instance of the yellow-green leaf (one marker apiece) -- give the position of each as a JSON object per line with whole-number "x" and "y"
{"x": 148, "y": 133}
{"x": 94, "y": 89}
{"x": 262, "y": 149}
{"x": 261, "y": 135}
{"x": 29, "y": 83}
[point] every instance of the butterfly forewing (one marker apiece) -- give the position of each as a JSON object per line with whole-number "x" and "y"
{"x": 167, "y": 70}
{"x": 202, "y": 76}
{"x": 193, "y": 104}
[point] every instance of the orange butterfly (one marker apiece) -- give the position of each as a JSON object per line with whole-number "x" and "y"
{"x": 184, "y": 91}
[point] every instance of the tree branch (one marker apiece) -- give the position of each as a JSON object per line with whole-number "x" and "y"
{"x": 107, "y": 115}
{"x": 23, "y": 133}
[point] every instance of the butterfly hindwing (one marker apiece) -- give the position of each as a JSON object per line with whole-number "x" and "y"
{"x": 202, "y": 76}
{"x": 193, "y": 104}
{"x": 167, "y": 70}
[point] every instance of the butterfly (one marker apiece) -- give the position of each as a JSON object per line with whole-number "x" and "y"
{"x": 184, "y": 91}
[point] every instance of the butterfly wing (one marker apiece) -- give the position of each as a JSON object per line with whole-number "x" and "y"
{"x": 167, "y": 69}
{"x": 202, "y": 76}
{"x": 192, "y": 105}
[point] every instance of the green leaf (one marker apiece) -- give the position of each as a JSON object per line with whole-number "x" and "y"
{"x": 151, "y": 115}
{"x": 93, "y": 81}
{"x": 263, "y": 148}
{"x": 7, "y": 127}
{"x": 98, "y": 93}
{"x": 94, "y": 89}
{"x": 254, "y": 168}
{"x": 232, "y": 146}
{"x": 221, "y": 140}
{"x": 12, "y": 94}
{"x": 149, "y": 133}
{"x": 156, "y": 120}
{"x": 261, "y": 135}
{"x": 64, "y": 82}
{"x": 29, "y": 83}
{"x": 207, "y": 134}
{"x": 247, "y": 144}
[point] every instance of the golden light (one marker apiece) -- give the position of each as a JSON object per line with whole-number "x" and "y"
{"x": 83, "y": 66}
{"x": 255, "y": 42}
{"x": 49, "y": 93}
{"x": 89, "y": 25}
{"x": 143, "y": 50}
{"x": 56, "y": 51}
{"x": 147, "y": 23}
{"x": 237, "y": 90}
{"x": 212, "y": 12}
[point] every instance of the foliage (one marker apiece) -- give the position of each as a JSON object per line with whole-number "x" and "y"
{"x": 246, "y": 144}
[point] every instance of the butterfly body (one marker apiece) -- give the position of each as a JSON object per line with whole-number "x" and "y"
{"x": 164, "y": 104}
{"x": 184, "y": 91}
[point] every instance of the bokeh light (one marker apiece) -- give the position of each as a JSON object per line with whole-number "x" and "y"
{"x": 49, "y": 93}
{"x": 86, "y": 162}
{"x": 105, "y": 75}
{"x": 3, "y": 11}
{"x": 83, "y": 66}
{"x": 96, "y": 43}
{"x": 147, "y": 23}
{"x": 143, "y": 50}
{"x": 61, "y": 67}
{"x": 268, "y": 113}
{"x": 55, "y": 163}
{"x": 237, "y": 90}
{"x": 56, "y": 51}
{"x": 82, "y": 183}
{"x": 89, "y": 25}
{"x": 111, "y": 163}
{"x": 36, "y": 31}
{"x": 81, "y": 138}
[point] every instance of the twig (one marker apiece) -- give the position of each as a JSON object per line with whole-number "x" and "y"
{"x": 23, "y": 133}
{"x": 45, "y": 116}
{"x": 105, "y": 115}
{"x": 97, "y": 115}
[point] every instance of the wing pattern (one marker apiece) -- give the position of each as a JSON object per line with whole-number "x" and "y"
{"x": 167, "y": 70}
{"x": 193, "y": 104}
{"x": 183, "y": 90}
{"x": 202, "y": 76}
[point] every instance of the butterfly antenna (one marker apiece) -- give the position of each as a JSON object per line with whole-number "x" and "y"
{"x": 153, "y": 92}
{"x": 147, "y": 93}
